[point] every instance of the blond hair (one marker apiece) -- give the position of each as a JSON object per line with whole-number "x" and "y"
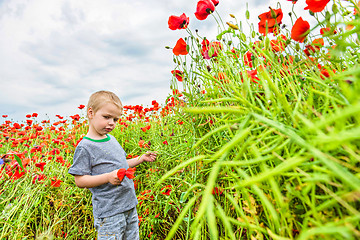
{"x": 98, "y": 99}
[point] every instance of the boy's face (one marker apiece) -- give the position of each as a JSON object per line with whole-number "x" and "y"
{"x": 104, "y": 120}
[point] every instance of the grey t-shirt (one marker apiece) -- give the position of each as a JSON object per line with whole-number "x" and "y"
{"x": 94, "y": 157}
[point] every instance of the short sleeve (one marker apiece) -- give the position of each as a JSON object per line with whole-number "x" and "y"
{"x": 81, "y": 162}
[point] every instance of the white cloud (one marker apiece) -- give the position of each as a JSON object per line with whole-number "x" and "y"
{"x": 54, "y": 54}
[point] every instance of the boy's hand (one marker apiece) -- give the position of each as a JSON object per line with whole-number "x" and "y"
{"x": 148, "y": 157}
{"x": 113, "y": 178}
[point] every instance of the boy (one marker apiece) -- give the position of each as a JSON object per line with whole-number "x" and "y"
{"x": 97, "y": 159}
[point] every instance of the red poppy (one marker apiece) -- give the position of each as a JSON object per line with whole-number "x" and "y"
{"x": 327, "y": 31}
{"x": 248, "y": 59}
{"x": 165, "y": 142}
{"x": 144, "y": 129}
{"x": 253, "y": 75}
{"x": 180, "y": 48}
{"x": 271, "y": 19}
{"x": 40, "y": 165}
{"x": 180, "y": 22}
{"x": 166, "y": 190}
{"x": 300, "y": 30}
{"x": 279, "y": 44}
{"x": 81, "y": 106}
{"x": 215, "y": 2}
{"x": 4, "y": 116}
{"x": 122, "y": 172}
{"x": 316, "y": 5}
{"x": 217, "y": 191}
{"x": 55, "y": 182}
{"x": 34, "y": 115}
{"x": 210, "y": 50}
{"x": 28, "y": 116}
{"x": 38, "y": 178}
{"x": 178, "y": 74}
{"x": 204, "y": 8}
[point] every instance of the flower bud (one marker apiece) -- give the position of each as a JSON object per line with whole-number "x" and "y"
{"x": 335, "y": 8}
{"x": 247, "y": 14}
{"x": 232, "y": 15}
{"x": 233, "y": 26}
{"x": 243, "y": 37}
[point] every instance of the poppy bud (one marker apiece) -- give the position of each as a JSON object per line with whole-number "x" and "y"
{"x": 273, "y": 14}
{"x": 232, "y": 15}
{"x": 247, "y": 14}
{"x": 243, "y": 37}
{"x": 167, "y": 47}
{"x": 253, "y": 34}
{"x": 335, "y": 8}
{"x": 233, "y": 26}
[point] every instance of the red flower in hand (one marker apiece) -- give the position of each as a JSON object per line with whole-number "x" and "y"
{"x": 300, "y": 30}
{"x": 316, "y": 5}
{"x": 204, "y": 8}
{"x": 180, "y": 22}
{"x": 180, "y": 48}
{"x": 271, "y": 19}
{"x": 122, "y": 172}
{"x": 178, "y": 74}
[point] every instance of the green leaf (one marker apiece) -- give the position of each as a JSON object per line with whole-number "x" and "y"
{"x": 19, "y": 161}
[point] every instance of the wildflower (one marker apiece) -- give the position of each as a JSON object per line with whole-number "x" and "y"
{"x": 38, "y": 178}
{"x": 327, "y": 31}
{"x": 34, "y": 115}
{"x": 269, "y": 21}
{"x": 81, "y": 106}
{"x": 210, "y": 50}
{"x": 316, "y": 5}
{"x": 166, "y": 190}
{"x": 122, "y": 172}
{"x": 217, "y": 191}
{"x": 40, "y": 165}
{"x": 300, "y": 30}
{"x": 55, "y": 182}
{"x": 252, "y": 74}
{"x": 165, "y": 142}
{"x": 315, "y": 46}
{"x": 4, "y": 116}
{"x": 204, "y": 8}
{"x": 279, "y": 44}
{"x": 180, "y": 48}
{"x": 178, "y": 74}
{"x": 180, "y": 22}
{"x": 144, "y": 129}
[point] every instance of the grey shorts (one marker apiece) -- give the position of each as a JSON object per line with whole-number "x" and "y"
{"x": 118, "y": 227}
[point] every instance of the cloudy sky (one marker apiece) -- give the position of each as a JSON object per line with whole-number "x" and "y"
{"x": 54, "y": 54}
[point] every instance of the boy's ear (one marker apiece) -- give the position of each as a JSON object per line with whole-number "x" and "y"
{"x": 90, "y": 113}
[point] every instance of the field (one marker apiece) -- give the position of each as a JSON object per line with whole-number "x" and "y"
{"x": 260, "y": 139}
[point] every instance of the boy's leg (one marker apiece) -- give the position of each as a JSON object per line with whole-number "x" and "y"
{"x": 132, "y": 225}
{"x": 110, "y": 228}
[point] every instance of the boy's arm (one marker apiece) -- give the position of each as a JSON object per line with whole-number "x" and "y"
{"x": 88, "y": 181}
{"x": 147, "y": 157}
